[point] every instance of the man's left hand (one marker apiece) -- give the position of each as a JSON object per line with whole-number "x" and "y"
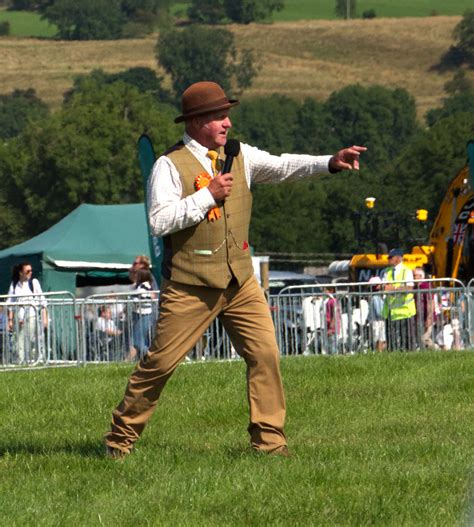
{"x": 346, "y": 159}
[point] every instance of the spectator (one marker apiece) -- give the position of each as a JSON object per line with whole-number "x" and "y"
{"x": 142, "y": 315}
{"x": 142, "y": 262}
{"x": 399, "y": 308}
{"x": 332, "y": 315}
{"x": 22, "y": 319}
{"x": 105, "y": 323}
{"x": 107, "y": 335}
{"x": 377, "y": 322}
{"x": 425, "y": 309}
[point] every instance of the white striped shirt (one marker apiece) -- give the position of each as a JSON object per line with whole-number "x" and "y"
{"x": 22, "y": 294}
{"x": 168, "y": 212}
{"x": 143, "y": 305}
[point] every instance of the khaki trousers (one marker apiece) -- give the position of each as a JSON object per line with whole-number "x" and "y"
{"x": 185, "y": 314}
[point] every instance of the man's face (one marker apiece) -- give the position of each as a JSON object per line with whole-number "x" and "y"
{"x": 211, "y": 129}
{"x": 394, "y": 260}
{"x": 418, "y": 275}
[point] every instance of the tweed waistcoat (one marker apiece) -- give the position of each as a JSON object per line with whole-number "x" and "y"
{"x": 210, "y": 253}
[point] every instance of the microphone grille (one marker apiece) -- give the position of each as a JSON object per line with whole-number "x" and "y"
{"x": 232, "y": 147}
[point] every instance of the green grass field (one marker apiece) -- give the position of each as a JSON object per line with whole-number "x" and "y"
{"x": 24, "y": 24}
{"x": 324, "y": 9}
{"x": 310, "y": 9}
{"x": 375, "y": 440}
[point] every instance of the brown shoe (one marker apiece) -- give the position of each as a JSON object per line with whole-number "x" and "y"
{"x": 115, "y": 453}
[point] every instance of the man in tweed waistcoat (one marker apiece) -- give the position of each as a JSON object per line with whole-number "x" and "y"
{"x": 203, "y": 217}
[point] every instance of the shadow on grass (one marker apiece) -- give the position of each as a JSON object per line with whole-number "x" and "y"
{"x": 88, "y": 448}
{"x": 96, "y": 449}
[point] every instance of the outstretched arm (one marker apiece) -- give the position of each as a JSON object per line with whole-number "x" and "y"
{"x": 263, "y": 167}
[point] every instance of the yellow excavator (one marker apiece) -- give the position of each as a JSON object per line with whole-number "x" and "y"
{"x": 452, "y": 235}
{"x": 450, "y": 250}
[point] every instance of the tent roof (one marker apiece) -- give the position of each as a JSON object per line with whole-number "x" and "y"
{"x": 98, "y": 236}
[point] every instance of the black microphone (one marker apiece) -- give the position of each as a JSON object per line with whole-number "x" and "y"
{"x": 231, "y": 150}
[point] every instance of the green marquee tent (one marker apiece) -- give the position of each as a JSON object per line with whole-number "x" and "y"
{"x": 94, "y": 244}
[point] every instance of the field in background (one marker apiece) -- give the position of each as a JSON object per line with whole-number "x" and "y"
{"x": 25, "y": 24}
{"x": 315, "y": 58}
{"x": 317, "y": 9}
{"x": 311, "y": 9}
{"x": 383, "y": 439}
{"x": 298, "y": 59}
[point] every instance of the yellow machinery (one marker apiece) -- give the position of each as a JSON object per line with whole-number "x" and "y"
{"x": 452, "y": 236}
{"x": 450, "y": 252}
{"x": 363, "y": 266}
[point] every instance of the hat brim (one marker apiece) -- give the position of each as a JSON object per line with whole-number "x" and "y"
{"x": 229, "y": 104}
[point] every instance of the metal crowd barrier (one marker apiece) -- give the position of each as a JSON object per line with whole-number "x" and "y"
{"x": 326, "y": 319}
{"x": 42, "y": 331}
{"x": 343, "y": 318}
{"x": 110, "y": 324}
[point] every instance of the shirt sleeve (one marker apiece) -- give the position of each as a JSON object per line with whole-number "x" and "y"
{"x": 11, "y": 294}
{"x": 36, "y": 286}
{"x": 409, "y": 277}
{"x": 263, "y": 167}
{"x": 168, "y": 212}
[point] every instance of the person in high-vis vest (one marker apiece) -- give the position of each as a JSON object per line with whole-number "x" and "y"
{"x": 203, "y": 216}
{"x": 399, "y": 308}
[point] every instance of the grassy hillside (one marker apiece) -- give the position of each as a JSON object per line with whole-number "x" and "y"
{"x": 311, "y": 9}
{"x": 24, "y": 24}
{"x": 315, "y": 58}
{"x": 382, "y": 439}
{"x": 299, "y": 59}
{"x": 317, "y": 9}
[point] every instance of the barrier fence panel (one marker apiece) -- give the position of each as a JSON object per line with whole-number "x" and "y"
{"x": 118, "y": 327}
{"x": 38, "y": 329}
{"x": 56, "y": 328}
{"x": 470, "y": 312}
{"x": 121, "y": 327}
{"x": 359, "y": 317}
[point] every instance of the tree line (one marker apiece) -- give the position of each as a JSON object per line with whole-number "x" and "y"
{"x": 113, "y": 19}
{"x": 86, "y": 151}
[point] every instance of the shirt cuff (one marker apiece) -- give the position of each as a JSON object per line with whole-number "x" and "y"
{"x": 204, "y": 200}
{"x": 334, "y": 170}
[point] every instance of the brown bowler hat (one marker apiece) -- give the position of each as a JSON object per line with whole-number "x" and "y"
{"x": 201, "y": 98}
